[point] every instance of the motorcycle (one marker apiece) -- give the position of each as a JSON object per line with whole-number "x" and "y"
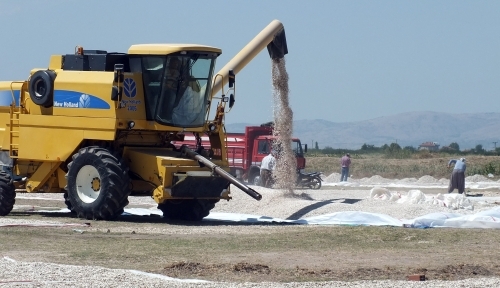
{"x": 305, "y": 180}
{"x": 310, "y": 180}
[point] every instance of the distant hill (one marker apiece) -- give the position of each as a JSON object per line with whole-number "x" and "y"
{"x": 407, "y": 129}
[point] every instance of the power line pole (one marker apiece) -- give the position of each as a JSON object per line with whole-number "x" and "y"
{"x": 495, "y": 143}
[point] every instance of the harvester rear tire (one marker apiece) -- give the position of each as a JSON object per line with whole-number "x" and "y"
{"x": 41, "y": 88}
{"x": 97, "y": 184}
{"x": 7, "y": 193}
{"x": 188, "y": 210}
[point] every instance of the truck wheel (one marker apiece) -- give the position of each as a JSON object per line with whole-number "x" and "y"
{"x": 7, "y": 193}
{"x": 189, "y": 210}
{"x": 254, "y": 173}
{"x": 97, "y": 184}
{"x": 256, "y": 181}
{"x": 315, "y": 183}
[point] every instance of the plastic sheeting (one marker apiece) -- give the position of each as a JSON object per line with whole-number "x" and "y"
{"x": 484, "y": 219}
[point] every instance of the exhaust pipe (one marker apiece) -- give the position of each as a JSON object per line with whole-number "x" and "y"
{"x": 273, "y": 36}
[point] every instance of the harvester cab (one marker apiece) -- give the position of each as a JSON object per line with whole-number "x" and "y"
{"x": 98, "y": 126}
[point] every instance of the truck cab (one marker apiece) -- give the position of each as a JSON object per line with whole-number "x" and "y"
{"x": 246, "y": 151}
{"x": 264, "y": 144}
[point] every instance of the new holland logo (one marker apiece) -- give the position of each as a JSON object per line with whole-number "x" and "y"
{"x": 84, "y": 101}
{"x": 129, "y": 87}
{"x": 76, "y": 99}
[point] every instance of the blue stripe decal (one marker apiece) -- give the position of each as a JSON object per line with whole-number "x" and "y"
{"x": 6, "y": 97}
{"x": 73, "y": 99}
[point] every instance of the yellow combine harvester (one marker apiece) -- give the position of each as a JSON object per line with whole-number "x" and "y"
{"x": 98, "y": 127}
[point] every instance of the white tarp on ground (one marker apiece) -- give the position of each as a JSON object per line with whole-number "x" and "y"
{"x": 485, "y": 219}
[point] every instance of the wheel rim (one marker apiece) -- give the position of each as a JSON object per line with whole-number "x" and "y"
{"x": 315, "y": 183}
{"x": 256, "y": 181}
{"x": 88, "y": 184}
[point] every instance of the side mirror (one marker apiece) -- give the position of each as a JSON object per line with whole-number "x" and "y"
{"x": 231, "y": 100}
{"x": 116, "y": 93}
{"x": 231, "y": 79}
{"x": 305, "y": 148}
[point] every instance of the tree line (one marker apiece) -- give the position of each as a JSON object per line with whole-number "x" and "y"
{"x": 394, "y": 150}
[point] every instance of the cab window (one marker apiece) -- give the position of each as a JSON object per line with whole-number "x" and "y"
{"x": 263, "y": 147}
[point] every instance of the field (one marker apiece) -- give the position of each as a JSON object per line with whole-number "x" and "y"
{"x": 415, "y": 167}
{"x": 236, "y": 252}
{"x": 255, "y": 253}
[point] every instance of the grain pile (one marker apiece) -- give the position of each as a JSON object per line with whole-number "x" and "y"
{"x": 37, "y": 274}
{"x": 285, "y": 174}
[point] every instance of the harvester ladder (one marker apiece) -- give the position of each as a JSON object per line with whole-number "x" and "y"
{"x": 15, "y": 112}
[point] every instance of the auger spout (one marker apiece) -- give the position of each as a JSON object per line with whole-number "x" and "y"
{"x": 273, "y": 37}
{"x": 221, "y": 172}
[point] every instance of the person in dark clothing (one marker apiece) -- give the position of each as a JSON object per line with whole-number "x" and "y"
{"x": 457, "y": 180}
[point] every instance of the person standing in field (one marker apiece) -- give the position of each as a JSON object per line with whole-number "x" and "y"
{"x": 345, "y": 162}
{"x": 266, "y": 169}
{"x": 457, "y": 180}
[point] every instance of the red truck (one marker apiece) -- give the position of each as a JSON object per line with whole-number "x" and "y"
{"x": 246, "y": 150}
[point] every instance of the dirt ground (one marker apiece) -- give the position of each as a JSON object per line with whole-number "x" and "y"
{"x": 221, "y": 251}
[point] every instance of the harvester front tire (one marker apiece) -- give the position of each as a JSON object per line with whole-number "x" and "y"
{"x": 7, "y": 193}
{"x": 187, "y": 210}
{"x": 41, "y": 88}
{"x": 67, "y": 202}
{"x": 97, "y": 184}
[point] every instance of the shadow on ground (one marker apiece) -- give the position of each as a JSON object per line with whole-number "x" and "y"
{"x": 302, "y": 212}
{"x": 153, "y": 219}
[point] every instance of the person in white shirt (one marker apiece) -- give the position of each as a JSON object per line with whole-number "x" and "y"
{"x": 266, "y": 169}
{"x": 457, "y": 179}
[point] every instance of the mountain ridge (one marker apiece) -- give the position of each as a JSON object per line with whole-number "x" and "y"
{"x": 406, "y": 129}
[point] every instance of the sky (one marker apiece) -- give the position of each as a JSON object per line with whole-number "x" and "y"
{"x": 348, "y": 60}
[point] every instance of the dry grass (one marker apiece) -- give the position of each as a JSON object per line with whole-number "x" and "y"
{"x": 435, "y": 165}
{"x": 282, "y": 253}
